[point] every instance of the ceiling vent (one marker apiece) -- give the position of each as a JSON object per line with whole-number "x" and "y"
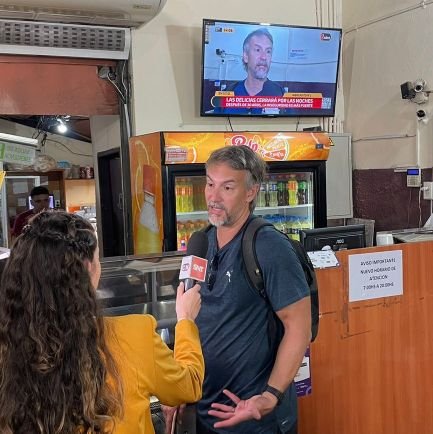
{"x": 64, "y": 40}
{"x": 120, "y": 13}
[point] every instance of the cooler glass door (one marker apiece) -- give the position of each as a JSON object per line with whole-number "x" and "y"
{"x": 191, "y": 209}
{"x": 286, "y": 199}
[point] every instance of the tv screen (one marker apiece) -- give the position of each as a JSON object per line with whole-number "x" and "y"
{"x": 253, "y": 69}
{"x": 333, "y": 238}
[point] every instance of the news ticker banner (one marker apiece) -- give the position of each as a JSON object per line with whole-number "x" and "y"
{"x": 18, "y": 154}
{"x": 228, "y": 99}
{"x": 195, "y": 147}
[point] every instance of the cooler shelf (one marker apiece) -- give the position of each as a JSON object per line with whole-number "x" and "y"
{"x": 259, "y": 210}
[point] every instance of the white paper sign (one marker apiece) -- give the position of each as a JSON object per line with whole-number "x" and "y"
{"x": 375, "y": 275}
{"x": 323, "y": 259}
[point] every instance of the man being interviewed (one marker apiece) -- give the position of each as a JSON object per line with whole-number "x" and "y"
{"x": 248, "y": 386}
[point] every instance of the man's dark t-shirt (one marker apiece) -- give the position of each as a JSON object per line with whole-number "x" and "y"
{"x": 21, "y": 220}
{"x": 233, "y": 325}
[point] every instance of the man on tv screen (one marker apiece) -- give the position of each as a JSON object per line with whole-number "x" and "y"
{"x": 252, "y": 69}
{"x": 256, "y": 58}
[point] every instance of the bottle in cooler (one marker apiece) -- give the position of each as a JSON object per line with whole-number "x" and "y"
{"x": 289, "y": 226}
{"x": 297, "y": 226}
{"x": 292, "y": 188}
{"x": 303, "y": 192}
{"x": 196, "y": 195}
{"x": 179, "y": 192}
{"x": 189, "y": 195}
{"x": 261, "y": 197}
{"x": 201, "y": 196}
{"x": 181, "y": 237}
{"x": 282, "y": 192}
{"x": 273, "y": 193}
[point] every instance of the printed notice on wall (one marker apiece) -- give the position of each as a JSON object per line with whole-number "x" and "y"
{"x": 375, "y": 275}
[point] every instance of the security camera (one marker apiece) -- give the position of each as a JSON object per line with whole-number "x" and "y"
{"x": 419, "y": 85}
{"x": 421, "y": 114}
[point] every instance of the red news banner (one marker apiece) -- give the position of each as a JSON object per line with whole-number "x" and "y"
{"x": 288, "y": 100}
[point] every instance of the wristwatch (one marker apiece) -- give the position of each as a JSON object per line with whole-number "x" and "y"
{"x": 279, "y": 395}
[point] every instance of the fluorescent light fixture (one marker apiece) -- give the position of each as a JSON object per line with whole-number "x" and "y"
{"x": 19, "y": 140}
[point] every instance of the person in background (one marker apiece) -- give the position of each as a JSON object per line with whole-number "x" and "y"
{"x": 256, "y": 58}
{"x": 65, "y": 369}
{"x": 248, "y": 385}
{"x": 40, "y": 200}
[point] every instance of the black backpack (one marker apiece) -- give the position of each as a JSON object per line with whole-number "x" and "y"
{"x": 254, "y": 273}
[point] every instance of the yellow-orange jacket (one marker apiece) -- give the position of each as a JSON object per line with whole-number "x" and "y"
{"x": 148, "y": 367}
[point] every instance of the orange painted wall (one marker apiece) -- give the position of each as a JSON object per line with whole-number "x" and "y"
{"x": 50, "y": 86}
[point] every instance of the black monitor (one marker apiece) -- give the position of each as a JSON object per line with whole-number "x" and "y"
{"x": 336, "y": 237}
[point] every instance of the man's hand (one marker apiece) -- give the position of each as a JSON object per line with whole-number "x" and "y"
{"x": 253, "y": 408}
{"x": 171, "y": 414}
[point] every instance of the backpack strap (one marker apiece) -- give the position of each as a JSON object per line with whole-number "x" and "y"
{"x": 250, "y": 260}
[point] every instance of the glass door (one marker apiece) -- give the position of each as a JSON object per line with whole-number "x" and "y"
{"x": 191, "y": 209}
{"x": 15, "y": 200}
{"x": 286, "y": 199}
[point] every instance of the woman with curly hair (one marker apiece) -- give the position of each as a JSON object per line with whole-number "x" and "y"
{"x": 64, "y": 369}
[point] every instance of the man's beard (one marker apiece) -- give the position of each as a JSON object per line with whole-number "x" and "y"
{"x": 260, "y": 73}
{"x": 218, "y": 221}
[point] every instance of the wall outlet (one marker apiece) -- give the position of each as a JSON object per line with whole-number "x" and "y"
{"x": 428, "y": 190}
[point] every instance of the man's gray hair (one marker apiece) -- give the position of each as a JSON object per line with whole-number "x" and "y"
{"x": 263, "y": 31}
{"x": 241, "y": 158}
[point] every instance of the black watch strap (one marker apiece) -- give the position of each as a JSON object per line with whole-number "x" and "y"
{"x": 279, "y": 395}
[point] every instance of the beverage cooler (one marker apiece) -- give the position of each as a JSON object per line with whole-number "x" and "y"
{"x": 168, "y": 180}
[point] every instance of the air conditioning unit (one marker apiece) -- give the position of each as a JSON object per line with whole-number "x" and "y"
{"x": 120, "y": 13}
{"x": 97, "y": 29}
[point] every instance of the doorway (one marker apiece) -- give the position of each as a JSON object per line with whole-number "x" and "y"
{"x": 111, "y": 199}
{"x": 69, "y": 88}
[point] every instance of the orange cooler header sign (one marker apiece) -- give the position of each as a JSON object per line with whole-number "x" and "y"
{"x": 181, "y": 148}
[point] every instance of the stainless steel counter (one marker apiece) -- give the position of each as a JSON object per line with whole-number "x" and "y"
{"x": 140, "y": 284}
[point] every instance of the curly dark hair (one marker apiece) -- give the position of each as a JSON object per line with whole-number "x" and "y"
{"x": 57, "y": 375}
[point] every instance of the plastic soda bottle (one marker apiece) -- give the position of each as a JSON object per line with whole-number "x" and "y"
{"x": 178, "y": 191}
{"x": 180, "y": 195}
{"x": 273, "y": 193}
{"x": 296, "y": 228}
{"x": 181, "y": 236}
{"x": 261, "y": 197}
{"x": 292, "y": 188}
{"x": 303, "y": 192}
{"x": 189, "y": 196}
{"x": 281, "y": 188}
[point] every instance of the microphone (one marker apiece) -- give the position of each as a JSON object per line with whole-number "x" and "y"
{"x": 194, "y": 265}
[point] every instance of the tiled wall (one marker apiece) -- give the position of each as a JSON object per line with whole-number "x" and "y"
{"x": 382, "y": 195}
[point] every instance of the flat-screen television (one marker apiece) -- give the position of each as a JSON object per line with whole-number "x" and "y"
{"x": 257, "y": 69}
{"x": 333, "y": 238}
{"x": 51, "y": 202}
